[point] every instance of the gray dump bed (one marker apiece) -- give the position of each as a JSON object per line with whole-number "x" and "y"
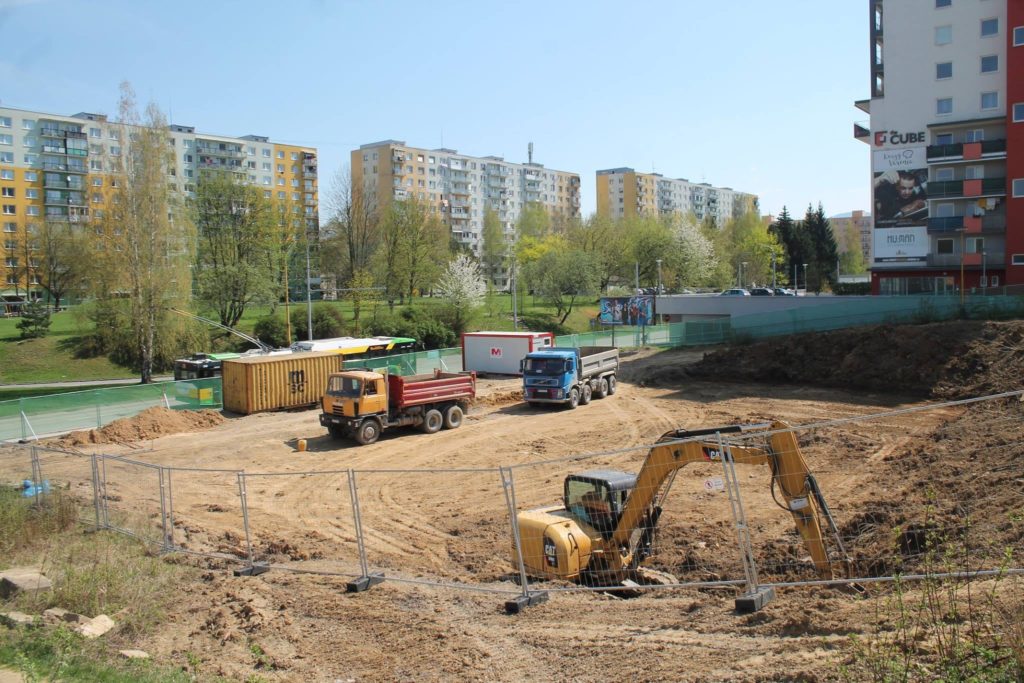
{"x": 598, "y": 360}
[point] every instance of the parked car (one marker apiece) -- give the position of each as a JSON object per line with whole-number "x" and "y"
{"x": 782, "y": 291}
{"x": 736, "y": 291}
{"x": 761, "y": 291}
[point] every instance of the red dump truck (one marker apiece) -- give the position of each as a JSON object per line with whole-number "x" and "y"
{"x": 360, "y": 404}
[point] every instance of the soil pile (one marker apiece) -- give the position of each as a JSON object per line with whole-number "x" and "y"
{"x": 149, "y": 424}
{"x": 948, "y": 360}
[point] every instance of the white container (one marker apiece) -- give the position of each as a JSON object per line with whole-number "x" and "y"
{"x": 500, "y": 352}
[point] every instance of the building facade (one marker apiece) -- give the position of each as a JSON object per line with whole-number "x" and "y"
{"x": 853, "y": 227}
{"x": 459, "y": 188}
{"x": 624, "y": 193}
{"x": 946, "y": 132}
{"x": 60, "y": 169}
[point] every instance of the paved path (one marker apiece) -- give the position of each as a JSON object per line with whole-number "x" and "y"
{"x": 10, "y": 676}
{"x": 85, "y": 384}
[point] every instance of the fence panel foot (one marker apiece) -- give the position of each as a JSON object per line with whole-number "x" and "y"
{"x": 521, "y": 602}
{"x": 254, "y": 569}
{"x": 364, "y": 583}
{"x": 755, "y": 600}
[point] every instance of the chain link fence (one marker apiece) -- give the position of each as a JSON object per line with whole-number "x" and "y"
{"x": 748, "y": 508}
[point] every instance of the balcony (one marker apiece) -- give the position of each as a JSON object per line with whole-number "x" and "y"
{"x": 969, "y": 224}
{"x": 995, "y": 259}
{"x": 986, "y": 149}
{"x": 67, "y": 168}
{"x": 966, "y": 188}
{"x": 309, "y": 169}
{"x": 215, "y": 150}
{"x": 62, "y": 185}
{"x": 860, "y": 132}
{"x": 55, "y": 132}
{"x": 64, "y": 201}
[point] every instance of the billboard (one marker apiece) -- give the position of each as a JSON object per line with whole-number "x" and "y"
{"x": 901, "y": 245}
{"x": 633, "y": 310}
{"x": 900, "y": 186}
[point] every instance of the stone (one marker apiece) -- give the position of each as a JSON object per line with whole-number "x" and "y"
{"x": 134, "y": 654}
{"x": 22, "y": 580}
{"x": 95, "y": 627}
{"x": 16, "y": 619}
{"x": 57, "y": 615}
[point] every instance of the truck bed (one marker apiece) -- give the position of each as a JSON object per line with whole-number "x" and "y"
{"x": 435, "y": 388}
{"x": 595, "y": 360}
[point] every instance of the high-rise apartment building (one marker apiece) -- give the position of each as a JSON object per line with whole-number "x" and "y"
{"x": 947, "y": 144}
{"x": 59, "y": 168}
{"x": 624, "y": 193}
{"x": 459, "y": 188}
{"x": 853, "y": 228}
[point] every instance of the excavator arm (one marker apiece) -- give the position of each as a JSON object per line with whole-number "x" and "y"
{"x": 800, "y": 493}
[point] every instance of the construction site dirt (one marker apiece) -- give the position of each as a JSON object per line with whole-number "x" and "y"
{"x": 454, "y": 527}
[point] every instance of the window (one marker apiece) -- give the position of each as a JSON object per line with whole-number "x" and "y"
{"x": 9, "y": 210}
{"x": 989, "y": 100}
{"x": 281, "y": 195}
{"x": 266, "y": 166}
{"x": 29, "y": 141}
{"x": 943, "y": 3}
{"x": 95, "y": 133}
{"x": 95, "y": 165}
{"x": 266, "y": 180}
{"x": 1018, "y": 36}
{"x": 1018, "y": 112}
{"x": 250, "y": 151}
{"x": 944, "y": 106}
{"x": 10, "y": 226}
{"x": 31, "y": 210}
{"x": 989, "y": 64}
{"x": 6, "y": 139}
{"x": 266, "y": 152}
{"x": 989, "y": 27}
{"x": 974, "y": 135}
{"x": 7, "y": 174}
{"x": 31, "y": 158}
{"x": 945, "y": 210}
{"x": 974, "y": 172}
{"x": 31, "y": 176}
{"x": 993, "y": 280}
{"x": 295, "y": 156}
{"x": 6, "y": 157}
{"x": 1018, "y": 187}
{"x": 944, "y": 246}
{"x": 944, "y": 70}
{"x": 280, "y": 168}
{"x": 97, "y": 182}
{"x": 5, "y": 121}
{"x": 280, "y": 154}
{"x": 7, "y": 192}
{"x": 280, "y": 182}
{"x": 943, "y": 35}
{"x": 31, "y": 193}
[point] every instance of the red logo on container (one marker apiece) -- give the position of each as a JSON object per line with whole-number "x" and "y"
{"x": 495, "y": 352}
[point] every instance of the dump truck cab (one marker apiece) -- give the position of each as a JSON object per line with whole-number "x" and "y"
{"x": 356, "y": 393}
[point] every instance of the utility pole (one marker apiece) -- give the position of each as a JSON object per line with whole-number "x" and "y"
{"x": 515, "y": 295}
{"x": 309, "y": 296}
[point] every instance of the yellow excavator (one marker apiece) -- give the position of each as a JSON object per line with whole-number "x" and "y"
{"x": 604, "y": 530}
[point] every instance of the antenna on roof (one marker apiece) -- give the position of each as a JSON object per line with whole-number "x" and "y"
{"x": 529, "y": 153}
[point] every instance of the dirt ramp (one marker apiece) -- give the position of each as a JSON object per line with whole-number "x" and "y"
{"x": 941, "y": 360}
{"x": 149, "y": 424}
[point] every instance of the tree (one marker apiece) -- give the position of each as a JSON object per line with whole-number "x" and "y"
{"x": 796, "y": 248}
{"x": 35, "y": 320}
{"x": 463, "y": 286}
{"x": 649, "y": 239}
{"x": 749, "y": 241}
{"x": 424, "y": 249}
{"x": 562, "y": 277}
{"x": 533, "y": 222}
{"x": 359, "y": 287}
{"x": 825, "y": 253}
{"x": 692, "y": 260}
{"x": 235, "y": 259}
{"x": 149, "y": 253}
{"x": 61, "y": 268}
{"x": 852, "y": 258}
{"x": 495, "y": 251}
{"x": 606, "y": 240}
{"x": 352, "y": 230}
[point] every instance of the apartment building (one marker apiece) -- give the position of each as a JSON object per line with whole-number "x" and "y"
{"x": 853, "y": 227}
{"x": 624, "y": 193}
{"x": 946, "y": 131}
{"x": 459, "y": 187}
{"x": 59, "y": 168}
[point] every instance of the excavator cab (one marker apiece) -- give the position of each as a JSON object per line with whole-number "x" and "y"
{"x": 598, "y": 497}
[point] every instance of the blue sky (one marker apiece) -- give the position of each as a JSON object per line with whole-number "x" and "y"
{"x": 753, "y": 95}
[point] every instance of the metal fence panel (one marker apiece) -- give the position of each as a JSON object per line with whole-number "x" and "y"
{"x": 71, "y": 474}
{"x": 205, "y": 510}
{"x": 130, "y": 499}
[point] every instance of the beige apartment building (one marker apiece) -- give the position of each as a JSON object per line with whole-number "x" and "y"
{"x": 59, "y": 168}
{"x": 459, "y": 187}
{"x": 625, "y": 193}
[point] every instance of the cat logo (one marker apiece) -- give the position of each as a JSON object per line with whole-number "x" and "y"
{"x": 711, "y": 453}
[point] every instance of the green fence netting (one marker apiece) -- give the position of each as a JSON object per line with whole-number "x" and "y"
{"x": 25, "y": 418}
{"x": 21, "y": 419}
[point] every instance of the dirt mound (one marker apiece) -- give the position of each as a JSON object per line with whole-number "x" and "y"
{"x": 941, "y": 360}
{"x": 149, "y": 424}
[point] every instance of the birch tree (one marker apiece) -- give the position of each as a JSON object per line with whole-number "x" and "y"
{"x": 463, "y": 286}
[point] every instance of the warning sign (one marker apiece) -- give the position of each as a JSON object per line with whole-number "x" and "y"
{"x": 714, "y": 484}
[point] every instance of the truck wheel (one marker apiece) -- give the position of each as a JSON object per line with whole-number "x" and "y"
{"x": 368, "y": 432}
{"x": 336, "y": 431}
{"x": 453, "y": 417}
{"x": 432, "y": 421}
{"x": 574, "y": 398}
{"x": 587, "y": 394}
{"x": 602, "y": 388}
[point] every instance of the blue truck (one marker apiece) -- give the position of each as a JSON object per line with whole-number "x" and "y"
{"x": 569, "y": 376}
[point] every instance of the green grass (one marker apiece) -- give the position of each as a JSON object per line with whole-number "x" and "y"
{"x": 102, "y": 573}
{"x": 10, "y": 393}
{"x": 51, "y": 359}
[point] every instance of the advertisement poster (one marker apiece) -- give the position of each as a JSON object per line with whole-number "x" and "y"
{"x": 901, "y": 245}
{"x": 634, "y": 310}
{"x": 900, "y": 186}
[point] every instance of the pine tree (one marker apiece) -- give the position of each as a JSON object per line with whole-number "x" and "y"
{"x": 35, "y": 320}
{"x": 826, "y": 251}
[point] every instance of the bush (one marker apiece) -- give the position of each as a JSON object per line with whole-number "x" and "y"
{"x": 271, "y": 329}
{"x": 543, "y": 322}
{"x": 851, "y": 288}
{"x": 112, "y": 336}
{"x": 328, "y": 322}
{"x": 35, "y": 320}
{"x": 431, "y": 328}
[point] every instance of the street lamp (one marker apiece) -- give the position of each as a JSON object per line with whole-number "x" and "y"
{"x": 659, "y": 275}
{"x": 774, "y": 284}
{"x": 805, "y": 278}
{"x": 984, "y": 275}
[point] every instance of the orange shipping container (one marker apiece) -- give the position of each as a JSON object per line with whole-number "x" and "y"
{"x": 259, "y": 383}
